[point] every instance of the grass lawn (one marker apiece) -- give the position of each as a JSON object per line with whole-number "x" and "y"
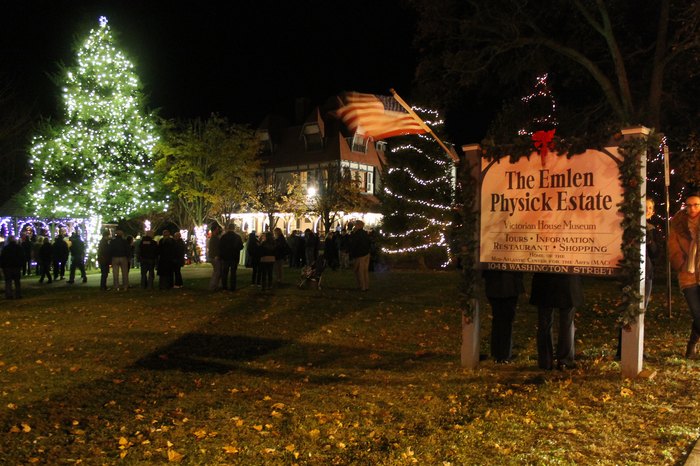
{"x": 331, "y": 376}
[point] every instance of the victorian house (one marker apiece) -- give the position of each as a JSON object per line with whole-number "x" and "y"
{"x": 315, "y": 145}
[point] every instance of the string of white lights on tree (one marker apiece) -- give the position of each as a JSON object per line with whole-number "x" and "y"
{"x": 417, "y": 195}
{"x": 98, "y": 164}
{"x": 541, "y": 105}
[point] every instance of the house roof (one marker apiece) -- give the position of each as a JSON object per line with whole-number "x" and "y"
{"x": 299, "y": 144}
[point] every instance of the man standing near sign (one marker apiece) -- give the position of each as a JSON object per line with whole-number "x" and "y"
{"x": 684, "y": 258}
{"x": 556, "y": 291}
{"x": 502, "y": 290}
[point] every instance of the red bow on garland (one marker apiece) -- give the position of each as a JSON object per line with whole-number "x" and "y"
{"x": 543, "y": 142}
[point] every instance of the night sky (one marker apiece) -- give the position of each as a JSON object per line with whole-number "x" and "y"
{"x": 241, "y": 59}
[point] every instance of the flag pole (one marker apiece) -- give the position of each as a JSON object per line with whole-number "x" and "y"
{"x": 451, "y": 153}
{"x": 667, "y": 183}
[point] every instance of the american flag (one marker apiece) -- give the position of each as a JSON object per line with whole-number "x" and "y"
{"x": 378, "y": 116}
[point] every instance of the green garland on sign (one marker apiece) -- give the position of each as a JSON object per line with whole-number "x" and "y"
{"x": 522, "y": 147}
{"x": 633, "y": 152}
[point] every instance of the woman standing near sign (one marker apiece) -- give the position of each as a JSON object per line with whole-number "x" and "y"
{"x": 556, "y": 291}
{"x": 683, "y": 254}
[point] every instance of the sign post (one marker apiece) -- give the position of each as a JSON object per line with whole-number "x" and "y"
{"x": 633, "y": 334}
{"x": 471, "y": 323}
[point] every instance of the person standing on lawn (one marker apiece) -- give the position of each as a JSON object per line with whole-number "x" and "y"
{"x": 230, "y": 248}
{"x": 26, "y": 244}
{"x": 45, "y": 259}
{"x": 11, "y": 261}
{"x": 252, "y": 258}
{"x": 267, "y": 260}
{"x": 502, "y": 290}
{"x": 180, "y": 250}
{"x": 685, "y": 261}
{"x": 119, "y": 252}
{"x": 77, "y": 258}
{"x": 148, "y": 255}
{"x": 103, "y": 259}
{"x": 556, "y": 291}
{"x": 60, "y": 256}
{"x": 359, "y": 249}
{"x": 213, "y": 256}
{"x": 282, "y": 251}
{"x": 167, "y": 257}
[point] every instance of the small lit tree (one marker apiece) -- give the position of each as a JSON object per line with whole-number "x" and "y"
{"x": 417, "y": 200}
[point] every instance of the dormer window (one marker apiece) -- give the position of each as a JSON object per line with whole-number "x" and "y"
{"x": 313, "y": 137}
{"x": 358, "y": 143}
{"x": 311, "y": 128}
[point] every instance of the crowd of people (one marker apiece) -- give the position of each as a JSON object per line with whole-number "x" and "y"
{"x": 163, "y": 256}
{"x": 268, "y": 253}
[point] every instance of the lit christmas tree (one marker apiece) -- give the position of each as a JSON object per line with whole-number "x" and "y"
{"x": 417, "y": 197}
{"x": 97, "y": 164}
{"x": 538, "y": 108}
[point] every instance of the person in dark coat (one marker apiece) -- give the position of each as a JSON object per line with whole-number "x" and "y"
{"x": 60, "y": 257}
{"x": 281, "y": 253}
{"x": 45, "y": 259}
{"x": 502, "y": 290}
{"x": 148, "y": 255}
{"x": 267, "y": 260}
{"x": 252, "y": 252}
{"x": 167, "y": 256}
{"x": 104, "y": 259}
{"x": 330, "y": 250}
{"x": 179, "y": 262}
{"x": 344, "y": 249}
{"x": 310, "y": 246}
{"x": 120, "y": 252}
{"x": 11, "y": 261}
{"x": 359, "y": 249}
{"x": 77, "y": 261}
{"x": 213, "y": 256}
{"x": 26, "y": 244}
{"x": 230, "y": 246}
{"x": 300, "y": 250}
{"x": 556, "y": 291}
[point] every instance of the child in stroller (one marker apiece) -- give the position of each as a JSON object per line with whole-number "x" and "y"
{"x": 313, "y": 273}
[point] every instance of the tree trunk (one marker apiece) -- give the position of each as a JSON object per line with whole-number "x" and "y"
{"x": 656, "y": 81}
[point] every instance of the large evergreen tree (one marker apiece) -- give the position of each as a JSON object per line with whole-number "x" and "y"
{"x": 98, "y": 161}
{"x": 417, "y": 198}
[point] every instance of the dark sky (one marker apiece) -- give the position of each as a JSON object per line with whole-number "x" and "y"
{"x": 242, "y": 59}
